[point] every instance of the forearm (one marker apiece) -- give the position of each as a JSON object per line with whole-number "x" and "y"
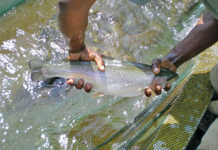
{"x": 200, "y": 38}
{"x": 73, "y": 20}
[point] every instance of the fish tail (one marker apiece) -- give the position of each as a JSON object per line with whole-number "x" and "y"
{"x": 35, "y": 66}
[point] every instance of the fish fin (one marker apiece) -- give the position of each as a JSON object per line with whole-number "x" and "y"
{"x": 97, "y": 94}
{"x": 140, "y": 2}
{"x": 36, "y": 76}
{"x": 35, "y": 66}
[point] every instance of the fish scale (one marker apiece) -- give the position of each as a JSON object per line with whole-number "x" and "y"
{"x": 124, "y": 79}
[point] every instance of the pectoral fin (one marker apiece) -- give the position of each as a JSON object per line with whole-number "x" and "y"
{"x": 97, "y": 94}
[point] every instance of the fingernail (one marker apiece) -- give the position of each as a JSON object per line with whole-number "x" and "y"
{"x": 156, "y": 70}
{"x": 80, "y": 84}
{"x": 102, "y": 67}
{"x": 88, "y": 87}
{"x": 70, "y": 82}
{"x": 167, "y": 87}
{"x": 158, "y": 89}
{"x": 148, "y": 92}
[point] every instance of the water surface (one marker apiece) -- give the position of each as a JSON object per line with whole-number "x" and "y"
{"x": 64, "y": 118}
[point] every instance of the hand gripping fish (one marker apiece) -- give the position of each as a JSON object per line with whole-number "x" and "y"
{"x": 125, "y": 79}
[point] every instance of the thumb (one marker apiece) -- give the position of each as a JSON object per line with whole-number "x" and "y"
{"x": 100, "y": 63}
{"x": 156, "y": 66}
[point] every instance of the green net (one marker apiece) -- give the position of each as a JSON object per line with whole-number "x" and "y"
{"x": 80, "y": 120}
{"x": 6, "y": 5}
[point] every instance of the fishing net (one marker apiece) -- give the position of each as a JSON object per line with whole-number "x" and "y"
{"x": 6, "y": 5}
{"x": 97, "y": 122}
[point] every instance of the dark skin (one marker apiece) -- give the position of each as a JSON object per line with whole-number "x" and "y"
{"x": 204, "y": 35}
{"x": 73, "y": 19}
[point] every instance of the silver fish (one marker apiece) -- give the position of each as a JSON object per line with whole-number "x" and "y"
{"x": 125, "y": 79}
{"x": 140, "y": 2}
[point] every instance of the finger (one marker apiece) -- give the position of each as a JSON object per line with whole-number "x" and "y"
{"x": 100, "y": 63}
{"x": 70, "y": 82}
{"x": 158, "y": 89}
{"x": 167, "y": 87}
{"x": 169, "y": 65}
{"x": 73, "y": 56}
{"x": 88, "y": 87}
{"x": 80, "y": 84}
{"x": 90, "y": 55}
{"x": 148, "y": 92}
{"x": 156, "y": 66}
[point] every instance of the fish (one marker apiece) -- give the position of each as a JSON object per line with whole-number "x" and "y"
{"x": 140, "y": 2}
{"x": 120, "y": 78}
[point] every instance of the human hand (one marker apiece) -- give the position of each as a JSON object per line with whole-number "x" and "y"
{"x": 85, "y": 55}
{"x": 159, "y": 82}
{"x": 88, "y": 55}
{"x": 80, "y": 84}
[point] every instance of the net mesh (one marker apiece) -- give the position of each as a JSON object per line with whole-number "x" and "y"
{"x": 6, "y": 5}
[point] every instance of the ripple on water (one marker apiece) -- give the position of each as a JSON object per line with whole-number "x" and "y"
{"x": 37, "y": 120}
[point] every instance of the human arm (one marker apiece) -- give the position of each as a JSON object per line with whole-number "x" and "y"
{"x": 204, "y": 35}
{"x": 73, "y": 21}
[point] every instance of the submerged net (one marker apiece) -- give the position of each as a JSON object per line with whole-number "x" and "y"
{"x": 79, "y": 120}
{"x": 6, "y": 5}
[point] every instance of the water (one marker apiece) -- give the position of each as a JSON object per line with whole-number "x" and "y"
{"x": 64, "y": 118}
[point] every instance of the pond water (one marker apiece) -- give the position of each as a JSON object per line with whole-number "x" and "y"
{"x": 63, "y": 118}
